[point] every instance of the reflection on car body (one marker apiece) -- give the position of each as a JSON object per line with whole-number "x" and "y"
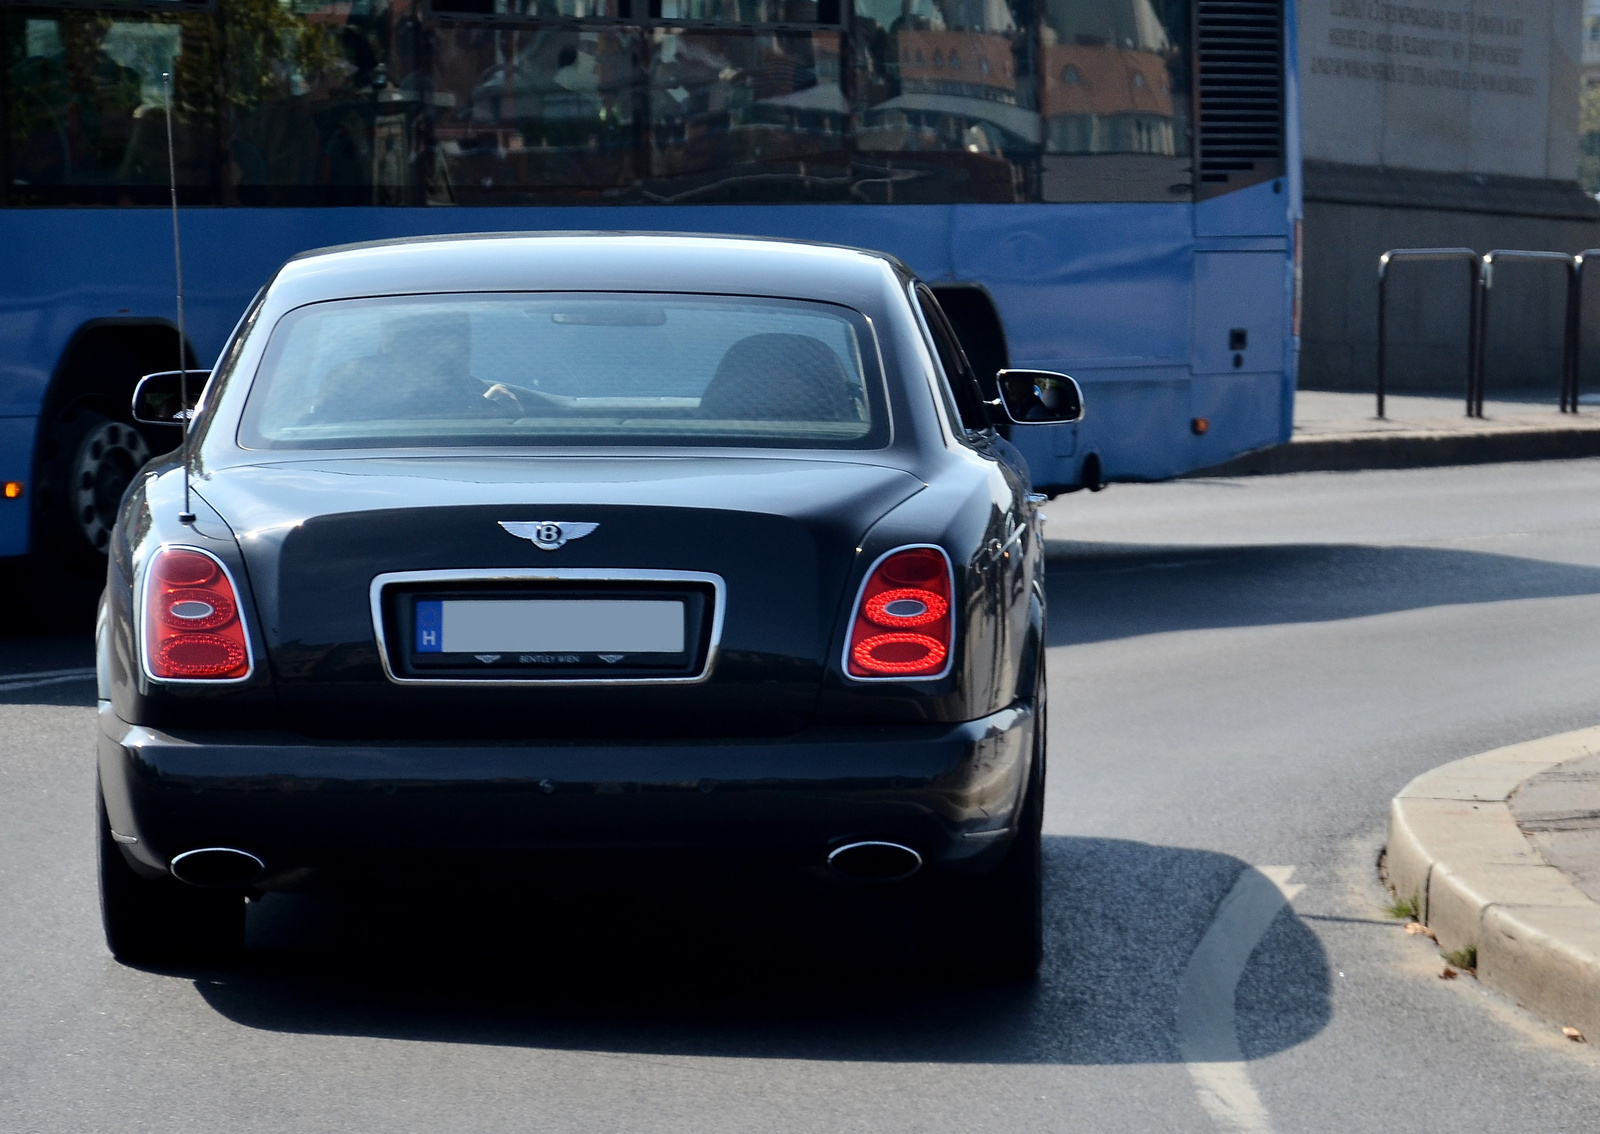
{"x": 518, "y": 545}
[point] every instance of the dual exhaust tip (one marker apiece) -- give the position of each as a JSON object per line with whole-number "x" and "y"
{"x": 225, "y": 868}
{"x": 874, "y": 861}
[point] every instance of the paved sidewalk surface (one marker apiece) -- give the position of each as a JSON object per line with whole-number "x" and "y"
{"x": 1500, "y": 853}
{"x": 1559, "y": 812}
{"x": 1341, "y": 432}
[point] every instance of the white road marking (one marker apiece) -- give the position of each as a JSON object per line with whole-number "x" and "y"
{"x": 1207, "y": 1037}
{"x": 12, "y": 681}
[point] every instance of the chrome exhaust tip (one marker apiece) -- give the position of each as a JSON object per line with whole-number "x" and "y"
{"x": 217, "y": 868}
{"x": 874, "y": 861}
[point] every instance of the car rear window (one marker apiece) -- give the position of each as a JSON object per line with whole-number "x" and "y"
{"x": 584, "y": 369}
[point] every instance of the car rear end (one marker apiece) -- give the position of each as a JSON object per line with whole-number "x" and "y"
{"x": 476, "y": 649}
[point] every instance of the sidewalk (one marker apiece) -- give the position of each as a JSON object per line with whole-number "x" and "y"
{"x": 1500, "y": 854}
{"x": 1340, "y": 432}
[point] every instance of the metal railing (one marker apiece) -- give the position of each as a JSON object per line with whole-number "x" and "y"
{"x": 1480, "y": 271}
{"x": 1569, "y": 402}
{"x": 1473, "y": 265}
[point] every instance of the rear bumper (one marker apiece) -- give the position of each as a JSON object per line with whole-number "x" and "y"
{"x": 952, "y": 792}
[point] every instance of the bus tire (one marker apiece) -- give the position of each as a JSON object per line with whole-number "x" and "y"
{"x": 89, "y": 461}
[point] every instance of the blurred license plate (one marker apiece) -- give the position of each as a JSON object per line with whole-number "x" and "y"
{"x": 550, "y": 626}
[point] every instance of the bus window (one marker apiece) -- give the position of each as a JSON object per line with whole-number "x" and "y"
{"x": 726, "y": 105}
{"x": 950, "y": 82}
{"x": 86, "y": 114}
{"x": 520, "y": 110}
{"x": 324, "y": 105}
{"x": 1114, "y": 81}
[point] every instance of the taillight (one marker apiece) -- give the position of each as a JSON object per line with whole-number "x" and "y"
{"x": 903, "y": 624}
{"x": 192, "y": 629}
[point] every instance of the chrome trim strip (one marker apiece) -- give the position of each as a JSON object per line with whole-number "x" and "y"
{"x": 144, "y": 614}
{"x": 950, "y": 657}
{"x": 533, "y": 575}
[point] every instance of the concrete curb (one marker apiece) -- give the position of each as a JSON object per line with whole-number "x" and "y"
{"x": 1478, "y": 883}
{"x": 1405, "y": 449}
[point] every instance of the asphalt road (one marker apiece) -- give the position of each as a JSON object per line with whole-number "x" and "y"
{"x": 1242, "y": 672}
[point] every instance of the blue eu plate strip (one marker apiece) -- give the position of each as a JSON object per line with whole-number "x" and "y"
{"x": 430, "y": 626}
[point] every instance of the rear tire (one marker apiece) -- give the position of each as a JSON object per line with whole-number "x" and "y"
{"x": 160, "y": 922}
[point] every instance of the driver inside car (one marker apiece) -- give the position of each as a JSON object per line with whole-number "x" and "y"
{"x": 421, "y": 371}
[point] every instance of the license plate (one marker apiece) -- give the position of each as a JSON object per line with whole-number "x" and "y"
{"x": 550, "y": 626}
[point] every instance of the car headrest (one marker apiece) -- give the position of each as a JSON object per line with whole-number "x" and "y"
{"x": 779, "y": 377}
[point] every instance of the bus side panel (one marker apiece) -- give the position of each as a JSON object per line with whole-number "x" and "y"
{"x": 1241, "y": 412}
{"x": 1256, "y": 210}
{"x": 1138, "y": 423}
{"x": 1081, "y": 284}
{"x": 16, "y": 463}
{"x": 1104, "y": 293}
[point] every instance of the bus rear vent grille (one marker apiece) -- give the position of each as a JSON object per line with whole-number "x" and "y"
{"x": 1239, "y": 55}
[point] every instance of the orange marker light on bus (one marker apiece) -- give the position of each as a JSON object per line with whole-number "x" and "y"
{"x": 14, "y": 489}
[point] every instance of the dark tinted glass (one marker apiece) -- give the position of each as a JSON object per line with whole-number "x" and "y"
{"x": 325, "y": 103}
{"x": 945, "y": 98}
{"x": 413, "y": 102}
{"x": 1116, "y": 76}
{"x": 529, "y": 113}
{"x": 85, "y": 106}
{"x": 1114, "y": 99}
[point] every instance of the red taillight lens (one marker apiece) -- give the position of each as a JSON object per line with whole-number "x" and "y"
{"x": 192, "y": 626}
{"x": 903, "y": 624}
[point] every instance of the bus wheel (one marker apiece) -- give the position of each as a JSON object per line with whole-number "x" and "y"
{"x": 1091, "y": 477}
{"x": 94, "y": 460}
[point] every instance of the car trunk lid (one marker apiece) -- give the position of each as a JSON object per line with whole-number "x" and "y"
{"x": 769, "y": 539}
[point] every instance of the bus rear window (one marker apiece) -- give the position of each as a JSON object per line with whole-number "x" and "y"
{"x": 585, "y": 369}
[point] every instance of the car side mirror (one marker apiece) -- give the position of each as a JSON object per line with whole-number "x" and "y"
{"x": 158, "y": 398}
{"x": 1040, "y": 397}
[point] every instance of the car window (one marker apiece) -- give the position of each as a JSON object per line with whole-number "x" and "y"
{"x": 590, "y": 368}
{"x": 953, "y": 360}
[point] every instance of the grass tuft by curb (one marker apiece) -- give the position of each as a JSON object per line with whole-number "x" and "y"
{"x": 1465, "y": 959}
{"x": 1405, "y": 909}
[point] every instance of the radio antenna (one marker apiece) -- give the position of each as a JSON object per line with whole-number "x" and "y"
{"x": 186, "y": 516}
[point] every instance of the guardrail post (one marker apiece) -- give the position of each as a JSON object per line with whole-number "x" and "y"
{"x": 1569, "y": 329}
{"x": 1473, "y": 323}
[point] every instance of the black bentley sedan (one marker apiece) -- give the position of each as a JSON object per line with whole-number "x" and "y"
{"x": 484, "y": 549}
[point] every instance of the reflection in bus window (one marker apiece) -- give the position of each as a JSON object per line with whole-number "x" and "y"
{"x": 86, "y": 114}
{"x": 537, "y": 9}
{"x": 950, "y": 78}
{"x": 519, "y": 110}
{"x": 750, "y": 11}
{"x": 728, "y": 108}
{"x": 324, "y": 105}
{"x": 1115, "y": 76}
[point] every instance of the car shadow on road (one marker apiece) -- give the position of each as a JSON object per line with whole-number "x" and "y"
{"x": 1102, "y": 592}
{"x": 773, "y": 974}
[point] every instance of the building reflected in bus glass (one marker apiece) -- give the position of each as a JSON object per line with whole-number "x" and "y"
{"x": 407, "y": 102}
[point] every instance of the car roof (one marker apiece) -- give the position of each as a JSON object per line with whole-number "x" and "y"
{"x": 588, "y": 261}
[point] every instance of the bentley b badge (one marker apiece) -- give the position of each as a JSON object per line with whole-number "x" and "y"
{"x": 547, "y": 535}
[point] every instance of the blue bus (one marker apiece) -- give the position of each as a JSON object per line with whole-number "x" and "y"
{"x": 1108, "y": 188}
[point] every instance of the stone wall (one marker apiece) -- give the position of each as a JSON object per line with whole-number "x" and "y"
{"x": 1354, "y": 214}
{"x": 1438, "y": 123}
